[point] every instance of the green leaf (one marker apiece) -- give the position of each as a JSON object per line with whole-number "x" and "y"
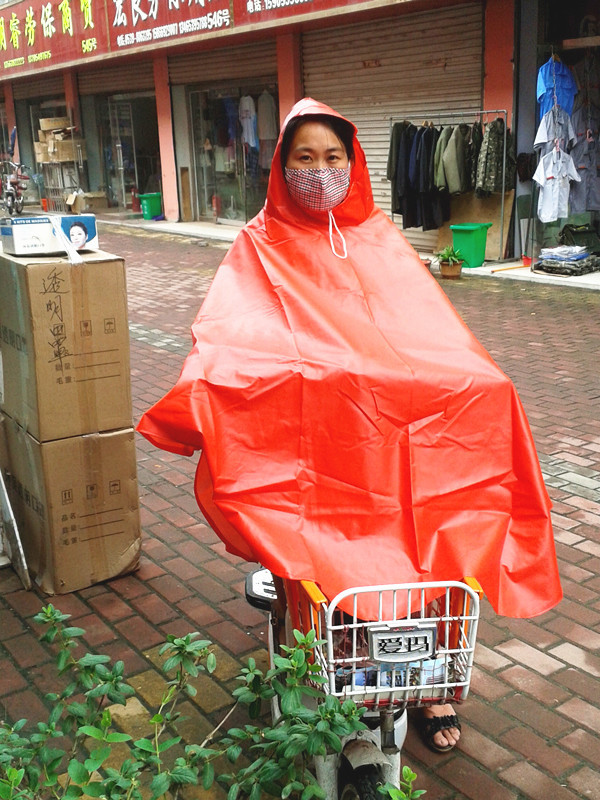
{"x": 95, "y": 789}
{"x": 233, "y": 792}
{"x": 211, "y": 662}
{"x": 91, "y": 659}
{"x": 115, "y": 736}
{"x": 90, "y": 730}
{"x": 72, "y": 632}
{"x": 6, "y": 791}
{"x": 77, "y": 772}
{"x": 73, "y": 792}
{"x": 291, "y": 699}
{"x": 96, "y": 758}
{"x": 255, "y": 792}
{"x": 160, "y": 784}
{"x": 208, "y": 775}
{"x": 234, "y": 752}
{"x": 168, "y": 744}
{"x": 145, "y": 744}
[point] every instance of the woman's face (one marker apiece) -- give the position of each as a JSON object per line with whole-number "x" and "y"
{"x": 316, "y": 146}
{"x": 78, "y": 236}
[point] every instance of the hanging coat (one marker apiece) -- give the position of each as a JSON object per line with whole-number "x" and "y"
{"x": 353, "y": 431}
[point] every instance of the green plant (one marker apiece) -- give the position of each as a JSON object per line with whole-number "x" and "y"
{"x": 450, "y": 255}
{"x": 406, "y": 791}
{"x": 38, "y": 765}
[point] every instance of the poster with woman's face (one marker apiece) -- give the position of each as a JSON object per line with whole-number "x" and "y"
{"x": 80, "y": 230}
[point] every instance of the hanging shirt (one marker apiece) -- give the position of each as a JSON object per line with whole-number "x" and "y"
{"x": 555, "y": 74}
{"x": 585, "y": 196}
{"x": 353, "y": 430}
{"x": 555, "y": 127}
{"x": 553, "y": 174}
{"x": 247, "y": 115}
{"x": 268, "y": 128}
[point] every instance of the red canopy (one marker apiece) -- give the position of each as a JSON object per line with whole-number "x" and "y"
{"x": 353, "y": 430}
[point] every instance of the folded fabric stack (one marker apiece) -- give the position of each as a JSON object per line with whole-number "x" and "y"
{"x": 566, "y": 260}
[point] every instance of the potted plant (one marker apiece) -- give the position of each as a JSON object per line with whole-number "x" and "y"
{"x": 450, "y": 261}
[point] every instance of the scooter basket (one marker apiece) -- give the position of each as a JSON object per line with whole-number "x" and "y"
{"x": 419, "y": 651}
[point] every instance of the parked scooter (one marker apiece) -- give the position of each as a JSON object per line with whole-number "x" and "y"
{"x": 14, "y": 184}
{"x": 416, "y": 653}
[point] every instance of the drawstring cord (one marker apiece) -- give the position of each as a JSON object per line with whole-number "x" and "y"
{"x": 332, "y": 224}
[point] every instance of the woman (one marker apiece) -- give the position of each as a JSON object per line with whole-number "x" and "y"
{"x": 353, "y": 431}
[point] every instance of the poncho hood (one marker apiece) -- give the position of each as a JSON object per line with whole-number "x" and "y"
{"x": 353, "y": 431}
{"x": 280, "y": 207}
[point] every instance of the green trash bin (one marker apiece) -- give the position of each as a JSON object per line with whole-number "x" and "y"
{"x": 151, "y": 205}
{"x": 470, "y": 239}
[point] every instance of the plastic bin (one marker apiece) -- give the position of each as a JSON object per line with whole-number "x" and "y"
{"x": 470, "y": 239}
{"x": 151, "y": 205}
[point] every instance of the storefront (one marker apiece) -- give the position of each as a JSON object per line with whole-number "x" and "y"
{"x": 188, "y": 101}
{"x": 119, "y": 122}
{"x": 230, "y": 99}
{"x": 567, "y": 50}
{"x": 377, "y": 73}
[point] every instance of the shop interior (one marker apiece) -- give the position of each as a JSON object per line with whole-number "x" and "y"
{"x": 234, "y": 132}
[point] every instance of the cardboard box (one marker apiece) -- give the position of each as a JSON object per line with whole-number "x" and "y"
{"x": 76, "y": 505}
{"x": 54, "y": 123}
{"x": 95, "y": 201}
{"x": 36, "y": 235}
{"x": 64, "y": 345}
{"x": 66, "y": 150}
{"x": 75, "y": 202}
{"x": 41, "y": 152}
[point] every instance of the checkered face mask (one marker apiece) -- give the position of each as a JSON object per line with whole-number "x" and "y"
{"x": 318, "y": 189}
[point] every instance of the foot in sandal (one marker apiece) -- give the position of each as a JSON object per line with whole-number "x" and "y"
{"x": 440, "y": 728}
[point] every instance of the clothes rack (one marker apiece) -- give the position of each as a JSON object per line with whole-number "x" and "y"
{"x": 455, "y": 117}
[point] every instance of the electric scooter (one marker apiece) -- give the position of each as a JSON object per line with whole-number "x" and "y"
{"x": 13, "y": 187}
{"x": 416, "y": 653}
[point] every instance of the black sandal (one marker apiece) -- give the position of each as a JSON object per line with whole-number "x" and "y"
{"x": 429, "y": 726}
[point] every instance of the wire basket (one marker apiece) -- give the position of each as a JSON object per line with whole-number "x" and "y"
{"x": 402, "y": 658}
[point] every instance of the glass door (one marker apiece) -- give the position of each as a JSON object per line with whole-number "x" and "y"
{"x": 234, "y": 133}
{"x": 121, "y": 161}
{"x": 218, "y": 156}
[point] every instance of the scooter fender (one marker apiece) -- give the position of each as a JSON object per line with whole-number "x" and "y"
{"x": 365, "y": 751}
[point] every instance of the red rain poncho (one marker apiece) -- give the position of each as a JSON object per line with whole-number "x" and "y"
{"x": 353, "y": 431}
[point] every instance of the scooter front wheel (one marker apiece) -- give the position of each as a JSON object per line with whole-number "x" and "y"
{"x": 362, "y": 784}
{"x": 19, "y": 206}
{"x": 10, "y": 204}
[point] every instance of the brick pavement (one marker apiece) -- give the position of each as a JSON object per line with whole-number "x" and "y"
{"x": 532, "y": 722}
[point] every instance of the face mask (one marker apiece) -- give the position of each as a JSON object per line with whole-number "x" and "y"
{"x": 318, "y": 189}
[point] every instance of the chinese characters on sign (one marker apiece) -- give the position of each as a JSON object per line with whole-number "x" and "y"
{"x": 58, "y": 31}
{"x": 65, "y": 32}
{"x": 140, "y": 21}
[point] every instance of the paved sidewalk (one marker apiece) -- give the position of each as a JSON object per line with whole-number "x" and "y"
{"x": 531, "y": 726}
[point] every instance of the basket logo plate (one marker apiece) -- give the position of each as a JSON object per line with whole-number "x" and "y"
{"x": 412, "y": 641}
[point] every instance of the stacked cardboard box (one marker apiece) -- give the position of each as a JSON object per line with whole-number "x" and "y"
{"x": 69, "y": 454}
{"x": 58, "y": 142}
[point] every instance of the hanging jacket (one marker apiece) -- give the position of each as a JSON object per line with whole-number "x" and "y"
{"x": 457, "y": 167}
{"x": 438, "y": 164}
{"x": 476, "y": 141}
{"x": 490, "y": 164}
{"x": 353, "y": 431}
{"x": 406, "y": 194}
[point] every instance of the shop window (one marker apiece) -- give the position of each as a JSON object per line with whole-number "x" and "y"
{"x": 234, "y": 135}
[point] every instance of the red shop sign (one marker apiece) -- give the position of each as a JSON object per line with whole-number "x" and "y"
{"x": 150, "y": 22}
{"x": 35, "y": 35}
